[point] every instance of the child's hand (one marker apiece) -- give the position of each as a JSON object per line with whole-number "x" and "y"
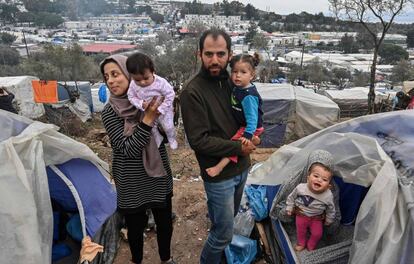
{"x": 145, "y": 105}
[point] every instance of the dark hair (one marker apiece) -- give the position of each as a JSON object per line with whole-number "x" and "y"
{"x": 138, "y": 62}
{"x": 215, "y": 33}
{"x": 252, "y": 60}
{"x": 400, "y": 94}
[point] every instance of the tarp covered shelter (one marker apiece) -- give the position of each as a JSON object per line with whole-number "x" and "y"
{"x": 353, "y": 102}
{"x": 21, "y": 87}
{"x": 408, "y": 86}
{"x": 292, "y": 112}
{"x": 374, "y": 170}
{"x": 40, "y": 164}
{"x": 83, "y": 88}
{"x": 70, "y": 97}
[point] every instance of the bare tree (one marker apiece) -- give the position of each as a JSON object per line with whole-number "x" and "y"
{"x": 365, "y": 12}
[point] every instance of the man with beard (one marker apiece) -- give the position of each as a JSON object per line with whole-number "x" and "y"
{"x": 209, "y": 125}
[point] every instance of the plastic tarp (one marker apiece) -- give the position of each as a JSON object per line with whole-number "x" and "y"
{"x": 407, "y": 86}
{"x": 371, "y": 151}
{"x": 21, "y": 87}
{"x": 292, "y": 112}
{"x": 83, "y": 174}
{"x": 356, "y": 93}
{"x": 84, "y": 89}
{"x": 96, "y": 98}
{"x": 26, "y": 148}
{"x": 354, "y": 101}
{"x": 45, "y": 91}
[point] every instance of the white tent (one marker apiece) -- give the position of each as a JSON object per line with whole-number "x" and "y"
{"x": 40, "y": 164}
{"x": 292, "y": 112}
{"x": 354, "y": 101}
{"x": 21, "y": 87}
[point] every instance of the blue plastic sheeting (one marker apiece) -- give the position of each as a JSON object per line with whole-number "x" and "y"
{"x": 275, "y": 118}
{"x": 257, "y": 201}
{"x": 350, "y": 199}
{"x": 271, "y": 192}
{"x": 84, "y": 90}
{"x": 74, "y": 227}
{"x": 242, "y": 250}
{"x": 59, "y": 251}
{"x": 60, "y": 192}
{"x": 103, "y": 97}
{"x": 281, "y": 238}
{"x": 87, "y": 180}
{"x": 62, "y": 93}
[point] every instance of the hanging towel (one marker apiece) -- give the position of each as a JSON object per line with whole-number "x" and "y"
{"x": 45, "y": 91}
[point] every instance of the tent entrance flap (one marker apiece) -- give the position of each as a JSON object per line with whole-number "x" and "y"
{"x": 75, "y": 196}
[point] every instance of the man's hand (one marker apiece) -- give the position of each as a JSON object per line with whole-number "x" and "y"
{"x": 248, "y": 148}
{"x": 289, "y": 212}
{"x": 244, "y": 140}
{"x": 256, "y": 140}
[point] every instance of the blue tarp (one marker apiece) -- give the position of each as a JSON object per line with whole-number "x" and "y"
{"x": 84, "y": 175}
{"x": 275, "y": 119}
{"x": 84, "y": 89}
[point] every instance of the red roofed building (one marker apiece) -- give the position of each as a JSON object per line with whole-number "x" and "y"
{"x": 106, "y": 48}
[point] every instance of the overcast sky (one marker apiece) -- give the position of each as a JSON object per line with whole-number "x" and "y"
{"x": 284, "y": 7}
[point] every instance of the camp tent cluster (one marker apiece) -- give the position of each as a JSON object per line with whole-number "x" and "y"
{"x": 374, "y": 169}
{"x": 31, "y": 94}
{"x": 292, "y": 112}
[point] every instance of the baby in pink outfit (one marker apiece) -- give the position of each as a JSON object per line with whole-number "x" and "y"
{"x": 144, "y": 86}
{"x": 313, "y": 204}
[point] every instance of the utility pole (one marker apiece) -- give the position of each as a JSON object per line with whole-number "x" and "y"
{"x": 301, "y": 60}
{"x": 25, "y": 44}
{"x": 301, "y": 64}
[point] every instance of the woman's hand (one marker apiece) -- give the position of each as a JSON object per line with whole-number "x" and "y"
{"x": 151, "y": 112}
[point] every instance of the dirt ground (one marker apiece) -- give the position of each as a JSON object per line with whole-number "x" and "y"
{"x": 189, "y": 203}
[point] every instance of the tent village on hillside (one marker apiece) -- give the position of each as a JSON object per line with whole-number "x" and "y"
{"x": 46, "y": 176}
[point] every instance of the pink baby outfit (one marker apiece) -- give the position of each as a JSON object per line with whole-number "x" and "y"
{"x": 137, "y": 95}
{"x": 311, "y": 210}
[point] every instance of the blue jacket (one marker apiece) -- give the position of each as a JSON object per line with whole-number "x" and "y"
{"x": 247, "y": 109}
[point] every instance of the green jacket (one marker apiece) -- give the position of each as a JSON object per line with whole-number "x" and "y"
{"x": 209, "y": 124}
